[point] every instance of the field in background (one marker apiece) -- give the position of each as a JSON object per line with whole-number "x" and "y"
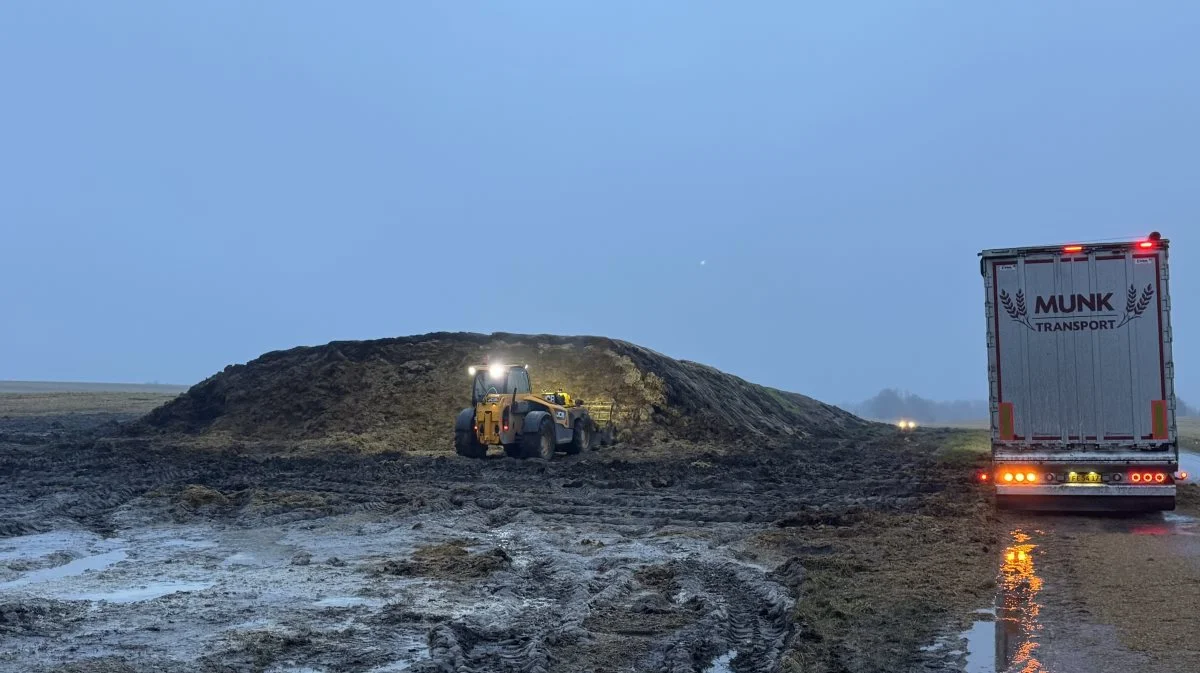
{"x": 44, "y": 404}
{"x": 42, "y": 398}
{"x": 87, "y": 387}
{"x": 1189, "y": 433}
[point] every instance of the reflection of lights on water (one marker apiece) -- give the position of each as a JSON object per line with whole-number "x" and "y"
{"x": 1018, "y": 609}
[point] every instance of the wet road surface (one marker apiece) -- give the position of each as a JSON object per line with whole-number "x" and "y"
{"x": 1094, "y": 594}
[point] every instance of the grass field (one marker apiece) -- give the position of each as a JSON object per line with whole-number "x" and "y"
{"x": 1189, "y": 433}
{"x": 43, "y": 404}
{"x": 88, "y": 387}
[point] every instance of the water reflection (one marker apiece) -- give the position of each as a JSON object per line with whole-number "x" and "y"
{"x": 1017, "y": 609}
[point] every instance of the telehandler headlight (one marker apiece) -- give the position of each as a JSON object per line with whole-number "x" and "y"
{"x": 497, "y": 371}
{"x": 471, "y": 371}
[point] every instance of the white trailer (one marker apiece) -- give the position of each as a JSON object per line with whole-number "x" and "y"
{"x": 1082, "y": 385}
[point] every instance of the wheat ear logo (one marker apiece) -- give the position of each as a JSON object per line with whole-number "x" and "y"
{"x": 1135, "y": 306}
{"x": 1016, "y": 309}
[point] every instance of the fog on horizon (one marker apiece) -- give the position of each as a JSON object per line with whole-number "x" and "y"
{"x": 794, "y": 194}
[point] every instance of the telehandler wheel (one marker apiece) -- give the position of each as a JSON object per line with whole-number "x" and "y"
{"x": 539, "y": 444}
{"x": 467, "y": 444}
{"x": 581, "y": 438}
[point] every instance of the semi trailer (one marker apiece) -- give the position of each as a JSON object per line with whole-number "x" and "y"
{"x": 1081, "y": 379}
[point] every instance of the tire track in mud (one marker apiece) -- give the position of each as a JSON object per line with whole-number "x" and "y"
{"x": 727, "y": 607}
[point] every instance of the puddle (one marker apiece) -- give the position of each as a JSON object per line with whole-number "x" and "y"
{"x": 142, "y": 593}
{"x": 45, "y": 544}
{"x": 721, "y": 663}
{"x": 1010, "y": 638}
{"x": 76, "y": 567}
{"x": 1190, "y": 463}
{"x": 981, "y": 645}
{"x": 240, "y": 559}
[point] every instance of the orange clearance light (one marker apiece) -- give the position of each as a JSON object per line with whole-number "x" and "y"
{"x": 1146, "y": 244}
{"x": 1073, "y": 248}
{"x": 1031, "y": 477}
{"x": 1008, "y": 476}
{"x": 1160, "y": 478}
{"x": 1135, "y": 477}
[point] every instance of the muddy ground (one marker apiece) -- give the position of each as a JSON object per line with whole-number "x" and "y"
{"x": 835, "y": 555}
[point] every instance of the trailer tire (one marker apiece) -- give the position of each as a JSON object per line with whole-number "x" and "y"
{"x": 540, "y": 444}
{"x": 466, "y": 444}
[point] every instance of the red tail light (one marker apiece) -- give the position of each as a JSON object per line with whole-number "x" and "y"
{"x": 1135, "y": 477}
{"x": 1146, "y": 245}
{"x": 506, "y": 428}
{"x": 1160, "y": 478}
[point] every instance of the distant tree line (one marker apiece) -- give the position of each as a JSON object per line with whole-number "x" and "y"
{"x": 892, "y": 405}
{"x": 1184, "y": 409}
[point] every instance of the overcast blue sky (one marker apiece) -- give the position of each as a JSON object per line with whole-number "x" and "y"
{"x": 188, "y": 185}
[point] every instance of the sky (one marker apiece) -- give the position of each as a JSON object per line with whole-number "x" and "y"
{"x": 792, "y": 192}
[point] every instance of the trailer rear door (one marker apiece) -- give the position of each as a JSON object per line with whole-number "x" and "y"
{"x": 1079, "y": 346}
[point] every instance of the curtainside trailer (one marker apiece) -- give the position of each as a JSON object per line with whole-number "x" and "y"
{"x": 1079, "y": 364}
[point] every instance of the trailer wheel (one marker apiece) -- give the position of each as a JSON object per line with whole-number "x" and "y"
{"x": 539, "y": 444}
{"x": 467, "y": 444}
{"x": 581, "y": 438}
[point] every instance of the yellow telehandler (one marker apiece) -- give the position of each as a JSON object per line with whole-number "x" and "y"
{"x": 505, "y": 412}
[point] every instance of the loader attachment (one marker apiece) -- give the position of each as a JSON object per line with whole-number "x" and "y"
{"x": 604, "y": 416}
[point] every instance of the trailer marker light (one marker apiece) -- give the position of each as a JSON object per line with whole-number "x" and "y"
{"x": 1020, "y": 477}
{"x": 1073, "y": 248}
{"x": 1181, "y": 476}
{"x": 1146, "y": 244}
{"x": 1160, "y": 478}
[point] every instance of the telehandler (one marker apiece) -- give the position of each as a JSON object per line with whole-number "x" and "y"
{"x": 504, "y": 411}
